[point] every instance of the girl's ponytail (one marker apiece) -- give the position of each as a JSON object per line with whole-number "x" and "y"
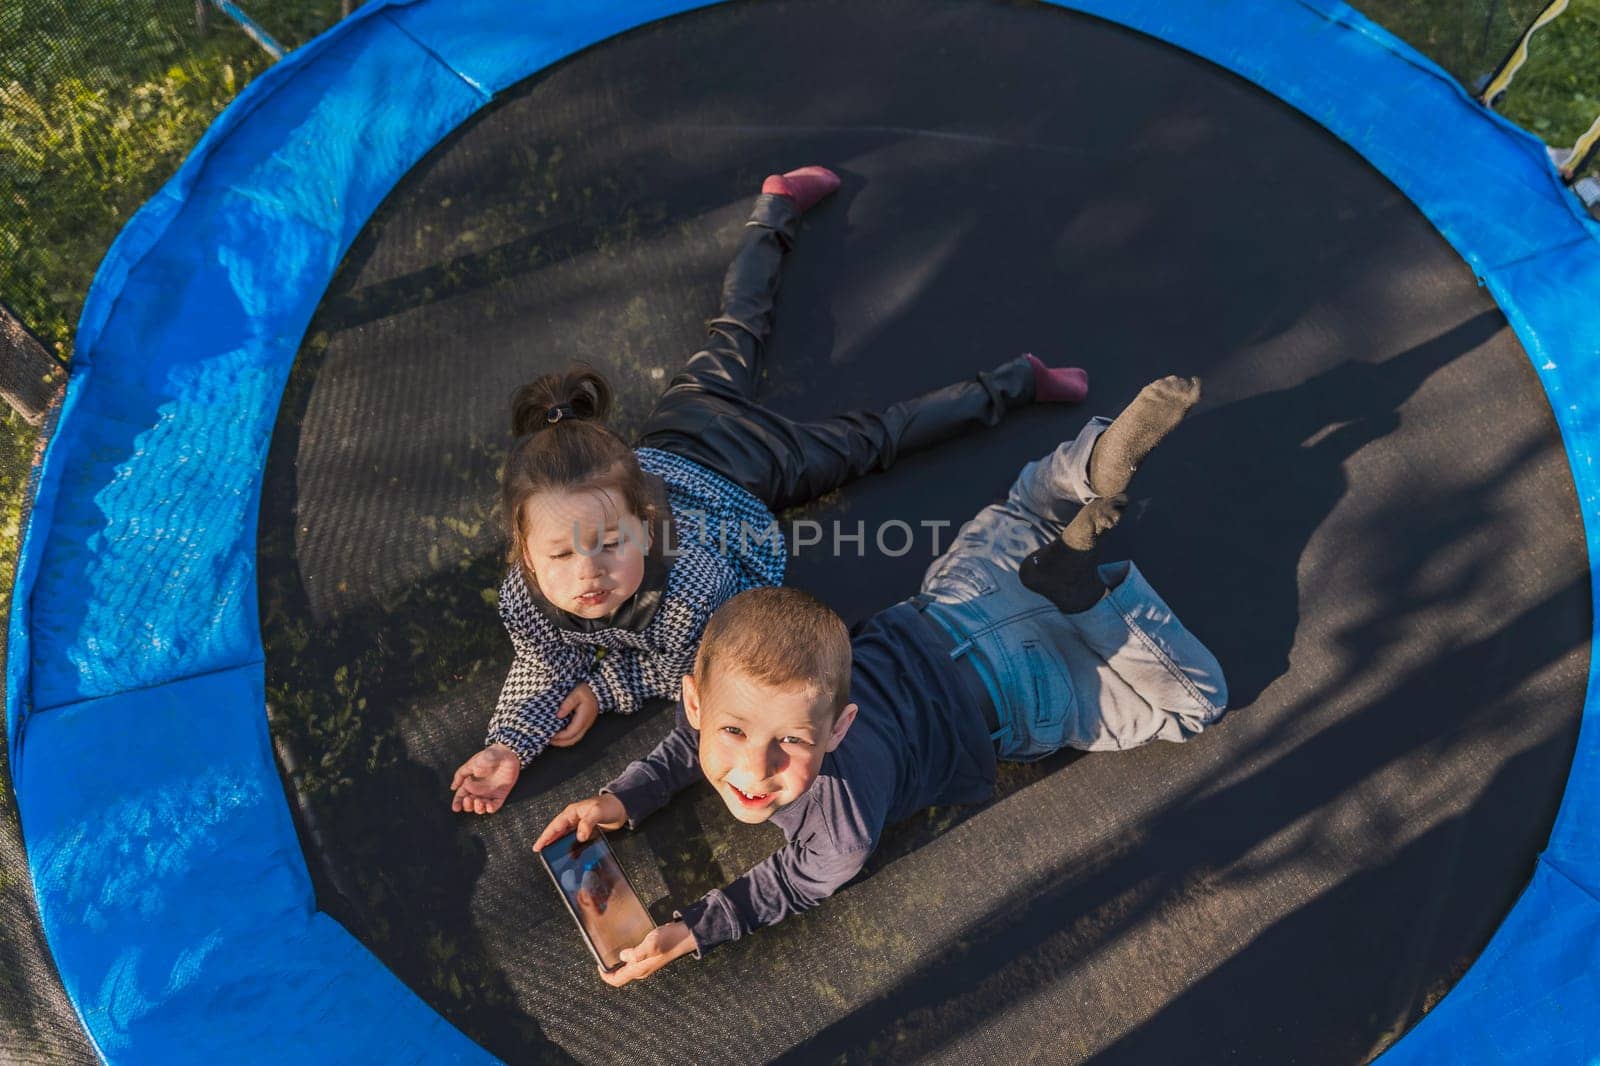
{"x": 578, "y": 393}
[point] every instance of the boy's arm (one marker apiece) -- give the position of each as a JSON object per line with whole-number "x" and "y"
{"x": 647, "y": 784}
{"x": 787, "y": 882}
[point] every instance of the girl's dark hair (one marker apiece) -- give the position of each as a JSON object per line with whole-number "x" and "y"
{"x": 563, "y": 443}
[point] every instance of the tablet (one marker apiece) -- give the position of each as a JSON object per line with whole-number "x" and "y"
{"x": 598, "y": 895}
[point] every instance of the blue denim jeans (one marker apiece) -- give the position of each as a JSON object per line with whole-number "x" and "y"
{"x": 1117, "y": 675}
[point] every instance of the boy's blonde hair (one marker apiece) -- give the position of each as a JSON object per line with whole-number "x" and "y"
{"x": 779, "y": 637}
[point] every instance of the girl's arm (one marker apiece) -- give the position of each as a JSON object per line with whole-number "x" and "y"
{"x": 545, "y": 670}
{"x": 523, "y": 724}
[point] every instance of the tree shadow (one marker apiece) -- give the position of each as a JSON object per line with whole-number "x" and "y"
{"x": 1443, "y": 855}
{"x": 1277, "y": 464}
{"x": 1198, "y": 839}
{"x": 1470, "y": 686}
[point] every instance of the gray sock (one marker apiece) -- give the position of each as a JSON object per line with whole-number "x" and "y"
{"x": 1154, "y": 413}
{"x": 1066, "y": 571}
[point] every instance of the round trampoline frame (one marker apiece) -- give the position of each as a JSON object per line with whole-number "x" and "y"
{"x": 134, "y": 614}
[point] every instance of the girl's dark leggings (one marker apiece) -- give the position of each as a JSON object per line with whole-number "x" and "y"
{"x": 708, "y": 412}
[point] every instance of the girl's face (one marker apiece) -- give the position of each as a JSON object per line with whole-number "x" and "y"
{"x": 585, "y": 549}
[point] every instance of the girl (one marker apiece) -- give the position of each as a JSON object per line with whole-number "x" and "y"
{"x": 618, "y": 556}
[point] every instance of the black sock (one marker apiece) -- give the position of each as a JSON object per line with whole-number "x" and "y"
{"x": 1066, "y": 571}
{"x": 1154, "y": 413}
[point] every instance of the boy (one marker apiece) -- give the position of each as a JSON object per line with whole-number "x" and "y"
{"x": 1018, "y": 644}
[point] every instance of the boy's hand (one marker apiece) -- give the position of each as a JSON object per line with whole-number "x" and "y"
{"x": 583, "y": 709}
{"x": 484, "y": 781}
{"x": 665, "y": 943}
{"x": 599, "y": 812}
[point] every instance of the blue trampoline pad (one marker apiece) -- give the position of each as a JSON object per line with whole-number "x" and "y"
{"x": 1372, "y": 519}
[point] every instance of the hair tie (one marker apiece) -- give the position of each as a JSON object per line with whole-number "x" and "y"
{"x": 558, "y": 412}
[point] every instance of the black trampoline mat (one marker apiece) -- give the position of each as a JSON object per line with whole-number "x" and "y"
{"x": 1369, "y": 519}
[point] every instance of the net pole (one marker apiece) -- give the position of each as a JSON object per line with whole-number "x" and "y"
{"x": 1501, "y": 80}
{"x": 251, "y": 27}
{"x": 30, "y": 377}
{"x": 1582, "y": 152}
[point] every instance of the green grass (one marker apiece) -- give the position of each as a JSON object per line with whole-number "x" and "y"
{"x": 1556, "y": 94}
{"x": 16, "y": 450}
{"x": 99, "y": 104}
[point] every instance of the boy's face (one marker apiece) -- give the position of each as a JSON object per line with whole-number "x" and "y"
{"x": 761, "y": 746}
{"x": 585, "y": 549}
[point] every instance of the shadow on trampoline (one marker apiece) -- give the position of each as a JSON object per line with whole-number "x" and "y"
{"x": 1265, "y": 471}
{"x": 1338, "y": 522}
{"x": 539, "y": 207}
{"x": 1465, "y": 842}
{"x": 1259, "y": 476}
{"x": 1201, "y": 840}
{"x": 1071, "y": 928}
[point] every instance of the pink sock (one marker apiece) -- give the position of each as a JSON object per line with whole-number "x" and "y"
{"x": 805, "y": 186}
{"x": 1062, "y": 384}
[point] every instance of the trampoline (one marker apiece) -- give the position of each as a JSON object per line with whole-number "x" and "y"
{"x": 1376, "y": 519}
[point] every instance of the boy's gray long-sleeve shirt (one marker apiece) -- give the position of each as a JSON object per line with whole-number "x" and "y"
{"x": 918, "y": 740}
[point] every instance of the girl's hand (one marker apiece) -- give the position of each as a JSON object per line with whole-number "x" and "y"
{"x": 582, "y": 708}
{"x": 665, "y": 943}
{"x": 484, "y": 781}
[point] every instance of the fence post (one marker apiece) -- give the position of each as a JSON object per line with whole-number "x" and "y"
{"x": 30, "y": 377}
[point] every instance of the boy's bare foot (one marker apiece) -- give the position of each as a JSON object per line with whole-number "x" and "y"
{"x": 1058, "y": 384}
{"x": 1154, "y": 413}
{"x": 805, "y": 186}
{"x": 1066, "y": 571}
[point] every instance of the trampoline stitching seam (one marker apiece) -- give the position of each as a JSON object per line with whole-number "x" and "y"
{"x": 257, "y": 661}
{"x": 1361, "y": 25}
{"x": 1547, "y": 861}
{"x": 474, "y": 86}
{"x": 190, "y": 173}
{"x": 1512, "y": 264}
